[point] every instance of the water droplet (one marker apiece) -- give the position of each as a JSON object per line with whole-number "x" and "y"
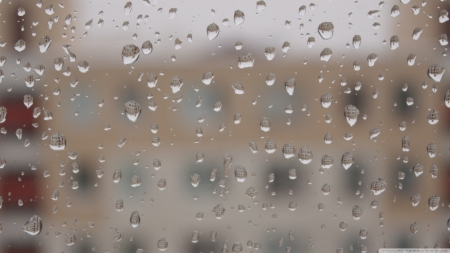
{"x": 33, "y": 226}
{"x": 326, "y": 30}
{"x": 436, "y": 72}
{"x": 213, "y": 235}
{"x": 395, "y": 11}
{"x": 378, "y": 186}
{"x": 130, "y": 54}
{"x": 351, "y": 114}
{"x": 292, "y": 173}
{"x": 363, "y": 233}
{"x": 217, "y": 106}
{"x": 417, "y": 32}
{"x": 119, "y": 205}
{"x": 305, "y": 155}
{"x": 394, "y": 42}
{"x": 162, "y": 244}
{"x": 28, "y": 101}
{"x": 433, "y": 117}
{"x": 162, "y": 184}
{"x": 135, "y": 181}
{"x": 212, "y": 31}
{"x": 195, "y": 180}
{"x": 347, "y": 160}
{"x": 356, "y": 41}
{"x": 44, "y": 44}
{"x": 327, "y": 161}
{"x": 286, "y": 46}
{"x": 326, "y": 54}
{"x": 288, "y": 151}
{"x": 246, "y": 61}
{"x": 88, "y": 24}
{"x": 343, "y": 226}
{"x": 70, "y": 239}
{"x": 414, "y": 228}
{"x": 127, "y": 8}
{"x": 117, "y": 175}
{"x": 357, "y": 211}
{"x": 20, "y": 45}
{"x": 19, "y": 133}
{"x": 371, "y": 59}
{"x": 57, "y": 141}
{"x": 328, "y": 138}
{"x": 207, "y": 77}
{"x": 239, "y": 17}
{"x": 219, "y": 211}
{"x": 147, "y": 47}
{"x": 415, "y": 199}
{"x": 415, "y": 9}
{"x": 172, "y": 13}
{"x": 55, "y": 195}
{"x": 431, "y": 148}
{"x": 251, "y": 192}
{"x": 135, "y": 219}
{"x": 290, "y": 85}
{"x": 270, "y": 53}
{"x": 433, "y": 171}
{"x": 118, "y": 236}
{"x": 132, "y": 110}
{"x": 326, "y": 100}
{"x": 240, "y": 173}
{"x": 253, "y": 147}
{"x": 443, "y": 16}
{"x": 195, "y": 237}
{"x": 176, "y": 84}
{"x": 227, "y": 161}
{"x": 238, "y": 88}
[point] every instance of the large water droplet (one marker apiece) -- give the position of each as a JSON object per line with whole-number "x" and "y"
{"x": 147, "y": 47}
{"x": 240, "y": 173}
{"x": 117, "y": 175}
{"x": 433, "y": 202}
{"x": 326, "y": 54}
{"x": 135, "y": 219}
{"x": 57, "y": 141}
{"x": 44, "y": 43}
{"x": 212, "y": 31}
{"x": 351, "y": 114}
{"x": 246, "y": 61}
{"x": 207, "y": 77}
{"x": 326, "y": 30}
{"x": 378, "y": 186}
{"x": 132, "y": 110}
{"x": 327, "y": 161}
{"x": 130, "y": 54}
{"x": 433, "y": 117}
{"x": 290, "y": 85}
{"x": 436, "y": 72}
{"x": 305, "y": 155}
{"x": 162, "y": 244}
{"x": 127, "y": 8}
{"x": 347, "y": 160}
{"x": 33, "y": 226}
{"x": 239, "y": 17}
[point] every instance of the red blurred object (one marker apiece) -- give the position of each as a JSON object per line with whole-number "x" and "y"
{"x": 26, "y": 190}
{"x": 17, "y": 115}
{"x": 19, "y": 249}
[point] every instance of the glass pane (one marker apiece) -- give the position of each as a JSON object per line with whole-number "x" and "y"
{"x": 223, "y": 126}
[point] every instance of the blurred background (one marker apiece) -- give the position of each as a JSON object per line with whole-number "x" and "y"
{"x": 91, "y": 116}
